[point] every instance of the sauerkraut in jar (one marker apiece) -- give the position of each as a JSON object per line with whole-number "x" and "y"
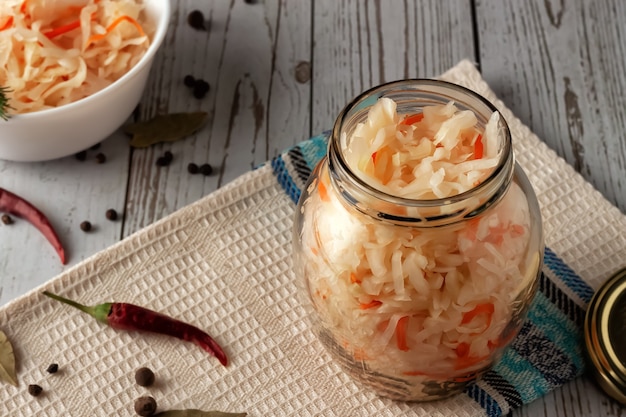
{"x": 418, "y": 240}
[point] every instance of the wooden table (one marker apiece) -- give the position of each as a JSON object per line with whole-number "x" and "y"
{"x": 280, "y": 71}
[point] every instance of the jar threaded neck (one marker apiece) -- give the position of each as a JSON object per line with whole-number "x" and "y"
{"x": 366, "y": 198}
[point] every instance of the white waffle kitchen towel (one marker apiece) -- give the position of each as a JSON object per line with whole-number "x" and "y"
{"x": 224, "y": 265}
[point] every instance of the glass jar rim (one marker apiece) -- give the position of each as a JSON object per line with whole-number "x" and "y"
{"x": 334, "y": 144}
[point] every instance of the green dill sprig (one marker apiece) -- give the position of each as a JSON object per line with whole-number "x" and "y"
{"x": 4, "y": 103}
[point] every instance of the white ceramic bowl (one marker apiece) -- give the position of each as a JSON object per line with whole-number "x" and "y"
{"x": 71, "y": 128}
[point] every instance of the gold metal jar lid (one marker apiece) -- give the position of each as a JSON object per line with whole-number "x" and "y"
{"x": 605, "y": 336}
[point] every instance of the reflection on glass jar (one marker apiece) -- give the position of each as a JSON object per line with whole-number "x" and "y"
{"x": 418, "y": 240}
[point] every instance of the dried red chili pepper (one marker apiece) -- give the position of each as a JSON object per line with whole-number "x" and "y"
{"x": 126, "y": 316}
{"x": 16, "y": 205}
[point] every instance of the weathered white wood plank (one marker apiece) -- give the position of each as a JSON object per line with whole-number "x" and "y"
{"x": 256, "y": 107}
{"x": 576, "y": 399}
{"x": 360, "y": 44}
{"x": 560, "y": 67}
{"x": 68, "y": 192}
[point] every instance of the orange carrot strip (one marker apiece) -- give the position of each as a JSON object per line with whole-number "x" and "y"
{"x": 354, "y": 279}
{"x": 371, "y": 304}
{"x": 323, "y": 191}
{"x": 496, "y": 235}
{"x": 7, "y": 24}
{"x": 109, "y": 29}
{"x": 23, "y": 7}
{"x": 415, "y": 118}
{"x": 485, "y": 308}
{"x": 472, "y": 228}
{"x": 478, "y": 147}
{"x": 401, "y": 330}
{"x": 462, "y": 350}
{"x": 517, "y": 229}
{"x": 382, "y": 164}
{"x": 65, "y": 28}
{"x": 466, "y": 362}
{"x": 414, "y": 373}
{"x": 359, "y": 354}
{"x": 62, "y": 29}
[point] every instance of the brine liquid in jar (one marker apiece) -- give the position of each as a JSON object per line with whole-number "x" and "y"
{"x": 418, "y": 241}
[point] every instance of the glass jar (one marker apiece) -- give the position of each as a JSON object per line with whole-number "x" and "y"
{"x": 416, "y": 297}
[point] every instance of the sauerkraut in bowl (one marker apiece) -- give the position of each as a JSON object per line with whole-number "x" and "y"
{"x": 418, "y": 241}
{"x": 77, "y": 62}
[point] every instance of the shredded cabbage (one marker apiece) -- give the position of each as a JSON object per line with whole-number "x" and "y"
{"x": 54, "y": 52}
{"x": 417, "y": 302}
{"x": 423, "y": 156}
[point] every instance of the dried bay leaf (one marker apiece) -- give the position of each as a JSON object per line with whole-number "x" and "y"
{"x": 164, "y": 128}
{"x": 198, "y": 413}
{"x": 7, "y": 360}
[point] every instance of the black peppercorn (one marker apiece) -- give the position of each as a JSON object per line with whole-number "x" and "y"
{"x": 34, "y": 390}
{"x": 192, "y": 168}
{"x": 101, "y": 158}
{"x": 144, "y": 377}
{"x": 145, "y": 406}
{"x": 196, "y": 20}
{"x": 53, "y": 368}
{"x": 6, "y": 219}
{"x": 111, "y": 214}
{"x": 85, "y": 226}
{"x": 165, "y": 160}
{"x": 198, "y": 93}
{"x": 206, "y": 169}
{"x": 81, "y": 156}
{"x": 200, "y": 89}
{"x": 189, "y": 81}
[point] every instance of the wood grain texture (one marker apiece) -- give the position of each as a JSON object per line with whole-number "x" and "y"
{"x": 360, "y": 44}
{"x": 256, "y": 107}
{"x": 68, "y": 192}
{"x": 559, "y": 65}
